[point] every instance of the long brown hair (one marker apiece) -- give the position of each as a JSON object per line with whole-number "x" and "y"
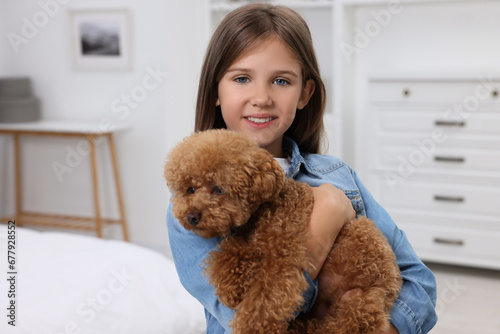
{"x": 243, "y": 29}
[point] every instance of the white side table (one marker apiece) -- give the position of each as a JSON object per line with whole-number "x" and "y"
{"x": 89, "y": 131}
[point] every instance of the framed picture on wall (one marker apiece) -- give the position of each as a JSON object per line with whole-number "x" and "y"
{"x": 101, "y": 39}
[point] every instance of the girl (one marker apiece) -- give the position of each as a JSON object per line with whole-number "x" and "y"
{"x": 260, "y": 77}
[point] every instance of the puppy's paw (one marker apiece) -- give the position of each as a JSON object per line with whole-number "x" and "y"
{"x": 353, "y": 293}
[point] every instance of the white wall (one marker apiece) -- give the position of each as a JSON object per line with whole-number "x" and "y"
{"x": 165, "y": 38}
{"x": 444, "y": 38}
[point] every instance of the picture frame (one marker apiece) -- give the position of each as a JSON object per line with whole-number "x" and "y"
{"x": 101, "y": 39}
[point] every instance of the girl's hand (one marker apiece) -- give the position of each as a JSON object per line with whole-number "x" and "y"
{"x": 332, "y": 209}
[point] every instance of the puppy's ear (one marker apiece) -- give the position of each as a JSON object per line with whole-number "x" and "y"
{"x": 268, "y": 178}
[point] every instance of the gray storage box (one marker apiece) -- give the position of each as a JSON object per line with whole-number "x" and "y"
{"x": 16, "y": 110}
{"x": 17, "y": 104}
{"x": 15, "y": 87}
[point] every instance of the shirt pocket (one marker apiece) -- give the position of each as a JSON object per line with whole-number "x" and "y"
{"x": 356, "y": 201}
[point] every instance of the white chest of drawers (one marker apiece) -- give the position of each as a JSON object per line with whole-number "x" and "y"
{"x": 429, "y": 150}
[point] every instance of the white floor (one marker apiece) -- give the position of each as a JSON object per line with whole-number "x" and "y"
{"x": 468, "y": 300}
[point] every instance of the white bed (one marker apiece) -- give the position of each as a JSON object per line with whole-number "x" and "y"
{"x": 69, "y": 283}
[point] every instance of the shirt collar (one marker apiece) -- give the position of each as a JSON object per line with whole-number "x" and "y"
{"x": 292, "y": 149}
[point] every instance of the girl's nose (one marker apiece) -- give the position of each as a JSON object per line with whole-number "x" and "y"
{"x": 261, "y": 96}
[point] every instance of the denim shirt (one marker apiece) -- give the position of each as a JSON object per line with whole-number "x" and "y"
{"x": 413, "y": 311}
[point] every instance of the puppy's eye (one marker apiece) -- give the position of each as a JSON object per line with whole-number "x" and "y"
{"x": 216, "y": 190}
{"x": 191, "y": 190}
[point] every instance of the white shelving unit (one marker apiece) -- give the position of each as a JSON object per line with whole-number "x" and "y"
{"x": 432, "y": 158}
{"x": 436, "y": 174}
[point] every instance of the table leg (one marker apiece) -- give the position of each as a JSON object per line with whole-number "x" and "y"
{"x": 17, "y": 171}
{"x": 118, "y": 186}
{"x": 95, "y": 186}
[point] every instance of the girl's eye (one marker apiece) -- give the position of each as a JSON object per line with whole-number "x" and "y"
{"x": 191, "y": 190}
{"x": 280, "y": 82}
{"x": 218, "y": 191}
{"x": 242, "y": 80}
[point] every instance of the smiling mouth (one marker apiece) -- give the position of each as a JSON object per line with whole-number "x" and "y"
{"x": 260, "y": 120}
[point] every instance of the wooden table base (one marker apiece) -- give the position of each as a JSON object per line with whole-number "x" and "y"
{"x": 95, "y": 223}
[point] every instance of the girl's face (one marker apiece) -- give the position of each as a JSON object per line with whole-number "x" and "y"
{"x": 260, "y": 93}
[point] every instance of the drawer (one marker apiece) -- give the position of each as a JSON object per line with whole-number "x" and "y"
{"x": 440, "y": 197}
{"x": 447, "y": 91}
{"x": 425, "y": 121}
{"x": 479, "y": 248}
{"x": 449, "y": 219}
{"x": 440, "y": 158}
{"x": 434, "y": 140}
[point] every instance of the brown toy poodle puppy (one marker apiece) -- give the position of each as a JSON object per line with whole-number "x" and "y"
{"x": 224, "y": 185}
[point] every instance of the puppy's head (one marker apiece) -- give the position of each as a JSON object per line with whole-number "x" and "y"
{"x": 218, "y": 179}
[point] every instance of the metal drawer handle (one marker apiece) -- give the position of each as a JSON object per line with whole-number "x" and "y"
{"x": 406, "y": 92}
{"x": 456, "y": 199}
{"x": 451, "y": 242}
{"x": 439, "y": 158}
{"x": 457, "y": 124}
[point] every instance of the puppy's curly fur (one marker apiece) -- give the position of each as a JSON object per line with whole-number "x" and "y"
{"x": 224, "y": 185}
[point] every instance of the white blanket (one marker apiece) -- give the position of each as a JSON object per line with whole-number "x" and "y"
{"x": 69, "y": 283}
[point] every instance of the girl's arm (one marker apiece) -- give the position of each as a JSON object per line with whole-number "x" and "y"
{"x": 332, "y": 209}
{"x": 189, "y": 251}
{"x": 413, "y": 311}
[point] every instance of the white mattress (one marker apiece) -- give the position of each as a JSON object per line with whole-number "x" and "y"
{"x": 69, "y": 283}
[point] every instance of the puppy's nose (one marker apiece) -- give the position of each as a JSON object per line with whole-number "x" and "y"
{"x": 193, "y": 218}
